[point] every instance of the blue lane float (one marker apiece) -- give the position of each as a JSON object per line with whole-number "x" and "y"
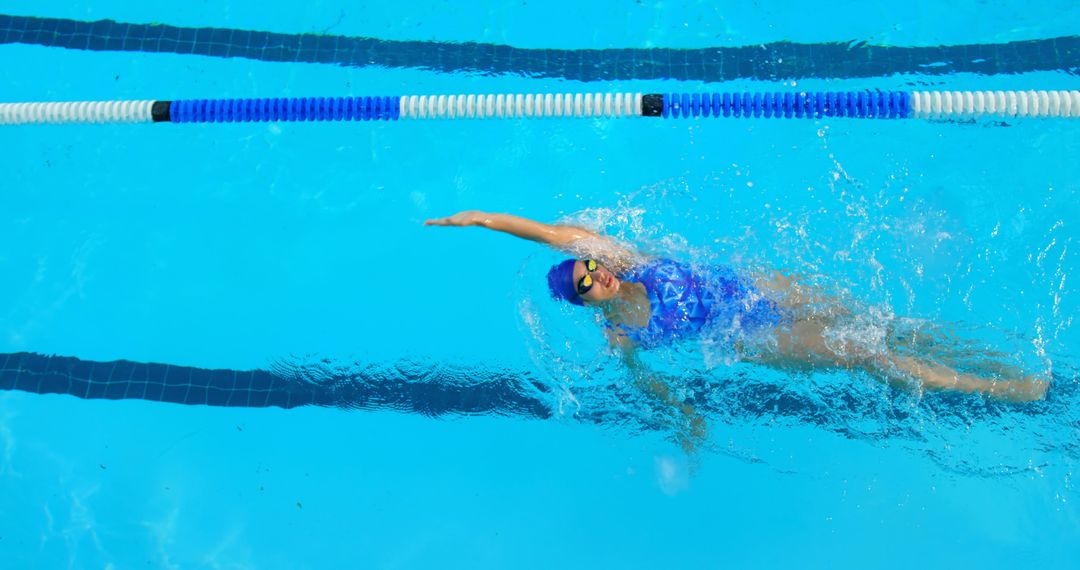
{"x": 863, "y": 105}
{"x": 744, "y": 105}
{"x": 277, "y": 110}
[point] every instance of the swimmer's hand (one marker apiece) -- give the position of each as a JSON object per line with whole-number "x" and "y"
{"x": 460, "y": 219}
{"x": 562, "y": 237}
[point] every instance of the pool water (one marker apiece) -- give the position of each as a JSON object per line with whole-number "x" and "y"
{"x": 300, "y": 248}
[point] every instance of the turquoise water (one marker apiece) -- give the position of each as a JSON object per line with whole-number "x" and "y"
{"x": 259, "y": 246}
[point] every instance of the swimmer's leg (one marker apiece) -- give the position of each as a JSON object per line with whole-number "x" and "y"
{"x": 795, "y": 293}
{"x": 804, "y": 346}
{"x": 934, "y": 368}
{"x": 939, "y": 377}
{"x": 933, "y": 342}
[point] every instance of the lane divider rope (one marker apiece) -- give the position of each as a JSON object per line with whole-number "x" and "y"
{"x": 815, "y": 105}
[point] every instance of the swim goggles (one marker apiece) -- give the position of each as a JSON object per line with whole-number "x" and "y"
{"x": 586, "y": 281}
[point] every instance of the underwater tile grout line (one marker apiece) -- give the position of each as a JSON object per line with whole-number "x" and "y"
{"x": 843, "y": 104}
{"x": 770, "y": 61}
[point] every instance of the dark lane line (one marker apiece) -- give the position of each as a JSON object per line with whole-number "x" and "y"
{"x": 771, "y": 61}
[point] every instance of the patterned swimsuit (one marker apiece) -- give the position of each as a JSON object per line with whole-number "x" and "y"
{"x": 684, "y": 301}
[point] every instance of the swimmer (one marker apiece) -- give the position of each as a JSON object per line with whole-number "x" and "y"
{"x": 647, "y": 303}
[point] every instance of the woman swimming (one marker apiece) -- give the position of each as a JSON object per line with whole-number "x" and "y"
{"x": 651, "y": 302}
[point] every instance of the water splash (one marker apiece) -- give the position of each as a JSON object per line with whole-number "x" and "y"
{"x": 910, "y": 277}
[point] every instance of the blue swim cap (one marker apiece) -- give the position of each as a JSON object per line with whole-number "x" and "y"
{"x": 561, "y": 282}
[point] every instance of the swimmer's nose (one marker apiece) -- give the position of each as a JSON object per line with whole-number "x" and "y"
{"x": 608, "y": 278}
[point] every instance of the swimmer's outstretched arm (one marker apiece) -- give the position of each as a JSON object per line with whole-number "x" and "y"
{"x": 563, "y": 237}
{"x": 555, "y": 236}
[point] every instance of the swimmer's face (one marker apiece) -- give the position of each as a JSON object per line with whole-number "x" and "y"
{"x": 598, "y": 285}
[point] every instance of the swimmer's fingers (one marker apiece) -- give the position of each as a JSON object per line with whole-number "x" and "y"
{"x": 444, "y": 222}
{"x": 467, "y": 218}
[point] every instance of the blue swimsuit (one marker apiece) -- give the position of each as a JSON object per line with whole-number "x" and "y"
{"x": 685, "y": 301}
